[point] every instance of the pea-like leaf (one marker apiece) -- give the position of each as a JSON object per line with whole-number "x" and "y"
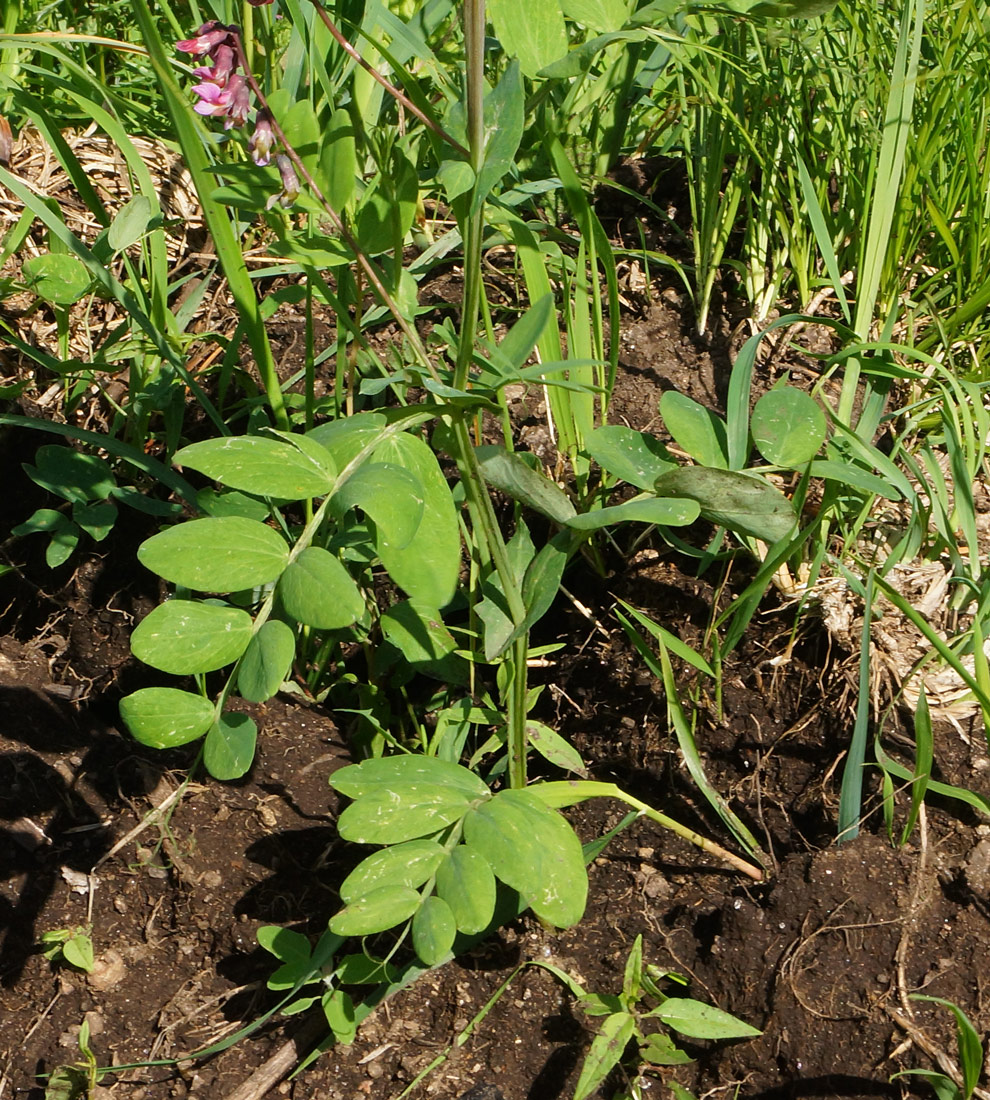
{"x": 409, "y": 864}
{"x": 381, "y": 909}
{"x": 391, "y": 816}
{"x": 426, "y": 567}
{"x": 259, "y": 465}
{"x": 229, "y": 747}
{"x": 635, "y": 457}
{"x": 699, "y": 432}
{"x": 394, "y": 772}
{"x": 164, "y": 717}
{"x": 96, "y": 518}
{"x": 71, "y": 474}
{"x": 224, "y": 554}
{"x": 788, "y": 426}
{"x": 56, "y": 277}
{"x": 433, "y": 931}
{"x": 466, "y": 883}
{"x": 532, "y": 849}
{"x": 390, "y": 495}
{"x": 744, "y": 503}
{"x": 516, "y": 478}
{"x": 318, "y": 591}
{"x": 266, "y": 661}
{"x": 130, "y": 224}
{"x": 184, "y": 637}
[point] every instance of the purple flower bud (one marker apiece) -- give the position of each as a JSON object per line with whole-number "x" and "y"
{"x": 290, "y": 185}
{"x": 240, "y": 101}
{"x": 261, "y": 141}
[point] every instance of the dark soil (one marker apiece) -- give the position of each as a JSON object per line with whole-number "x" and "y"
{"x": 822, "y": 957}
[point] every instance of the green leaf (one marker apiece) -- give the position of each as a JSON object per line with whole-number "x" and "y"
{"x": 598, "y": 15}
{"x": 259, "y": 465}
{"x": 466, "y": 883}
{"x": 96, "y": 519}
{"x": 381, "y": 909}
{"x": 130, "y": 224}
{"x": 341, "y": 1016}
{"x": 165, "y": 717}
{"x": 427, "y": 567}
{"x": 605, "y": 1052}
{"x": 743, "y": 503}
{"x": 70, "y": 474}
{"x": 216, "y": 555}
{"x": 635, "y": 457}
{"x": 388, "y": 772}
{"x": 516, "y": 478}
{"x": 532, "y": 849}
{"x": 185, "y": 637}
{"x": 551, "y": 746}
{"x": 337, "y": 172}
{"x": 531, "y": 30}
{"x": 967, "y": 1041}
{"x": 390, "y": 495}
{"x": 409, "y": 864}
{"x": 788, "y": 427}
{"x": 229, "y": 747}
{"x": 56, "y": 277}
{"x": 266, "y": 661}
{"x": 219, "y": 503}
{"x": 78, "y": 952}
{"x": 362, "y": 970}
{"x": 284, "y": 944}
{"x": 699, "y": 432}
{"x": 433, "y": 931}
{"x": 43, "y": 521}
{"x": 518, "y": 343}
{"x": 318, "y": 591}
{"x": 390, "y": 816}
{"x": 666, "y": 511}
{"x": 427, "y": 645}
{"x": 849, "y": 473}
{"x": 65, "y": 538}
{"x": 701, "y": 1021}
{"x": 504, "y": 116}
{"x": 660, "y": 1050}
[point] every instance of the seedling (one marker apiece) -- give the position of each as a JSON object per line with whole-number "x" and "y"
{"x": 71, "y": 946}
{"x": 962, "y": 1084}
{"x": 625, "y": 1020}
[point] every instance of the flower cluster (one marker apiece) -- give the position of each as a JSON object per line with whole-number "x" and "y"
{"x": 223, "y": 92}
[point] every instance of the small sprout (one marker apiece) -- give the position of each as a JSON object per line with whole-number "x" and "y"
{"x": 71, "y": 946}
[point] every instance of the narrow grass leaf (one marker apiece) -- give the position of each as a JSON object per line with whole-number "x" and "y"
{"x": 923, "y": 757}
{"x": 851, "y": 791}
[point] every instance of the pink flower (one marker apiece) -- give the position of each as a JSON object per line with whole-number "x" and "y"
{"x": 208, "y": 38}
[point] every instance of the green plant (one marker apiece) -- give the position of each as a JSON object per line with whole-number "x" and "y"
{"x": 72, "y": 946}
{"x": 625, "y": 1020}
{"x": 77, "y": 1081}
{"x": 962, "y": 1082}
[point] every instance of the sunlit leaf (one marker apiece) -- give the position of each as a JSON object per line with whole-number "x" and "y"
{"x": 184, "y": 637}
